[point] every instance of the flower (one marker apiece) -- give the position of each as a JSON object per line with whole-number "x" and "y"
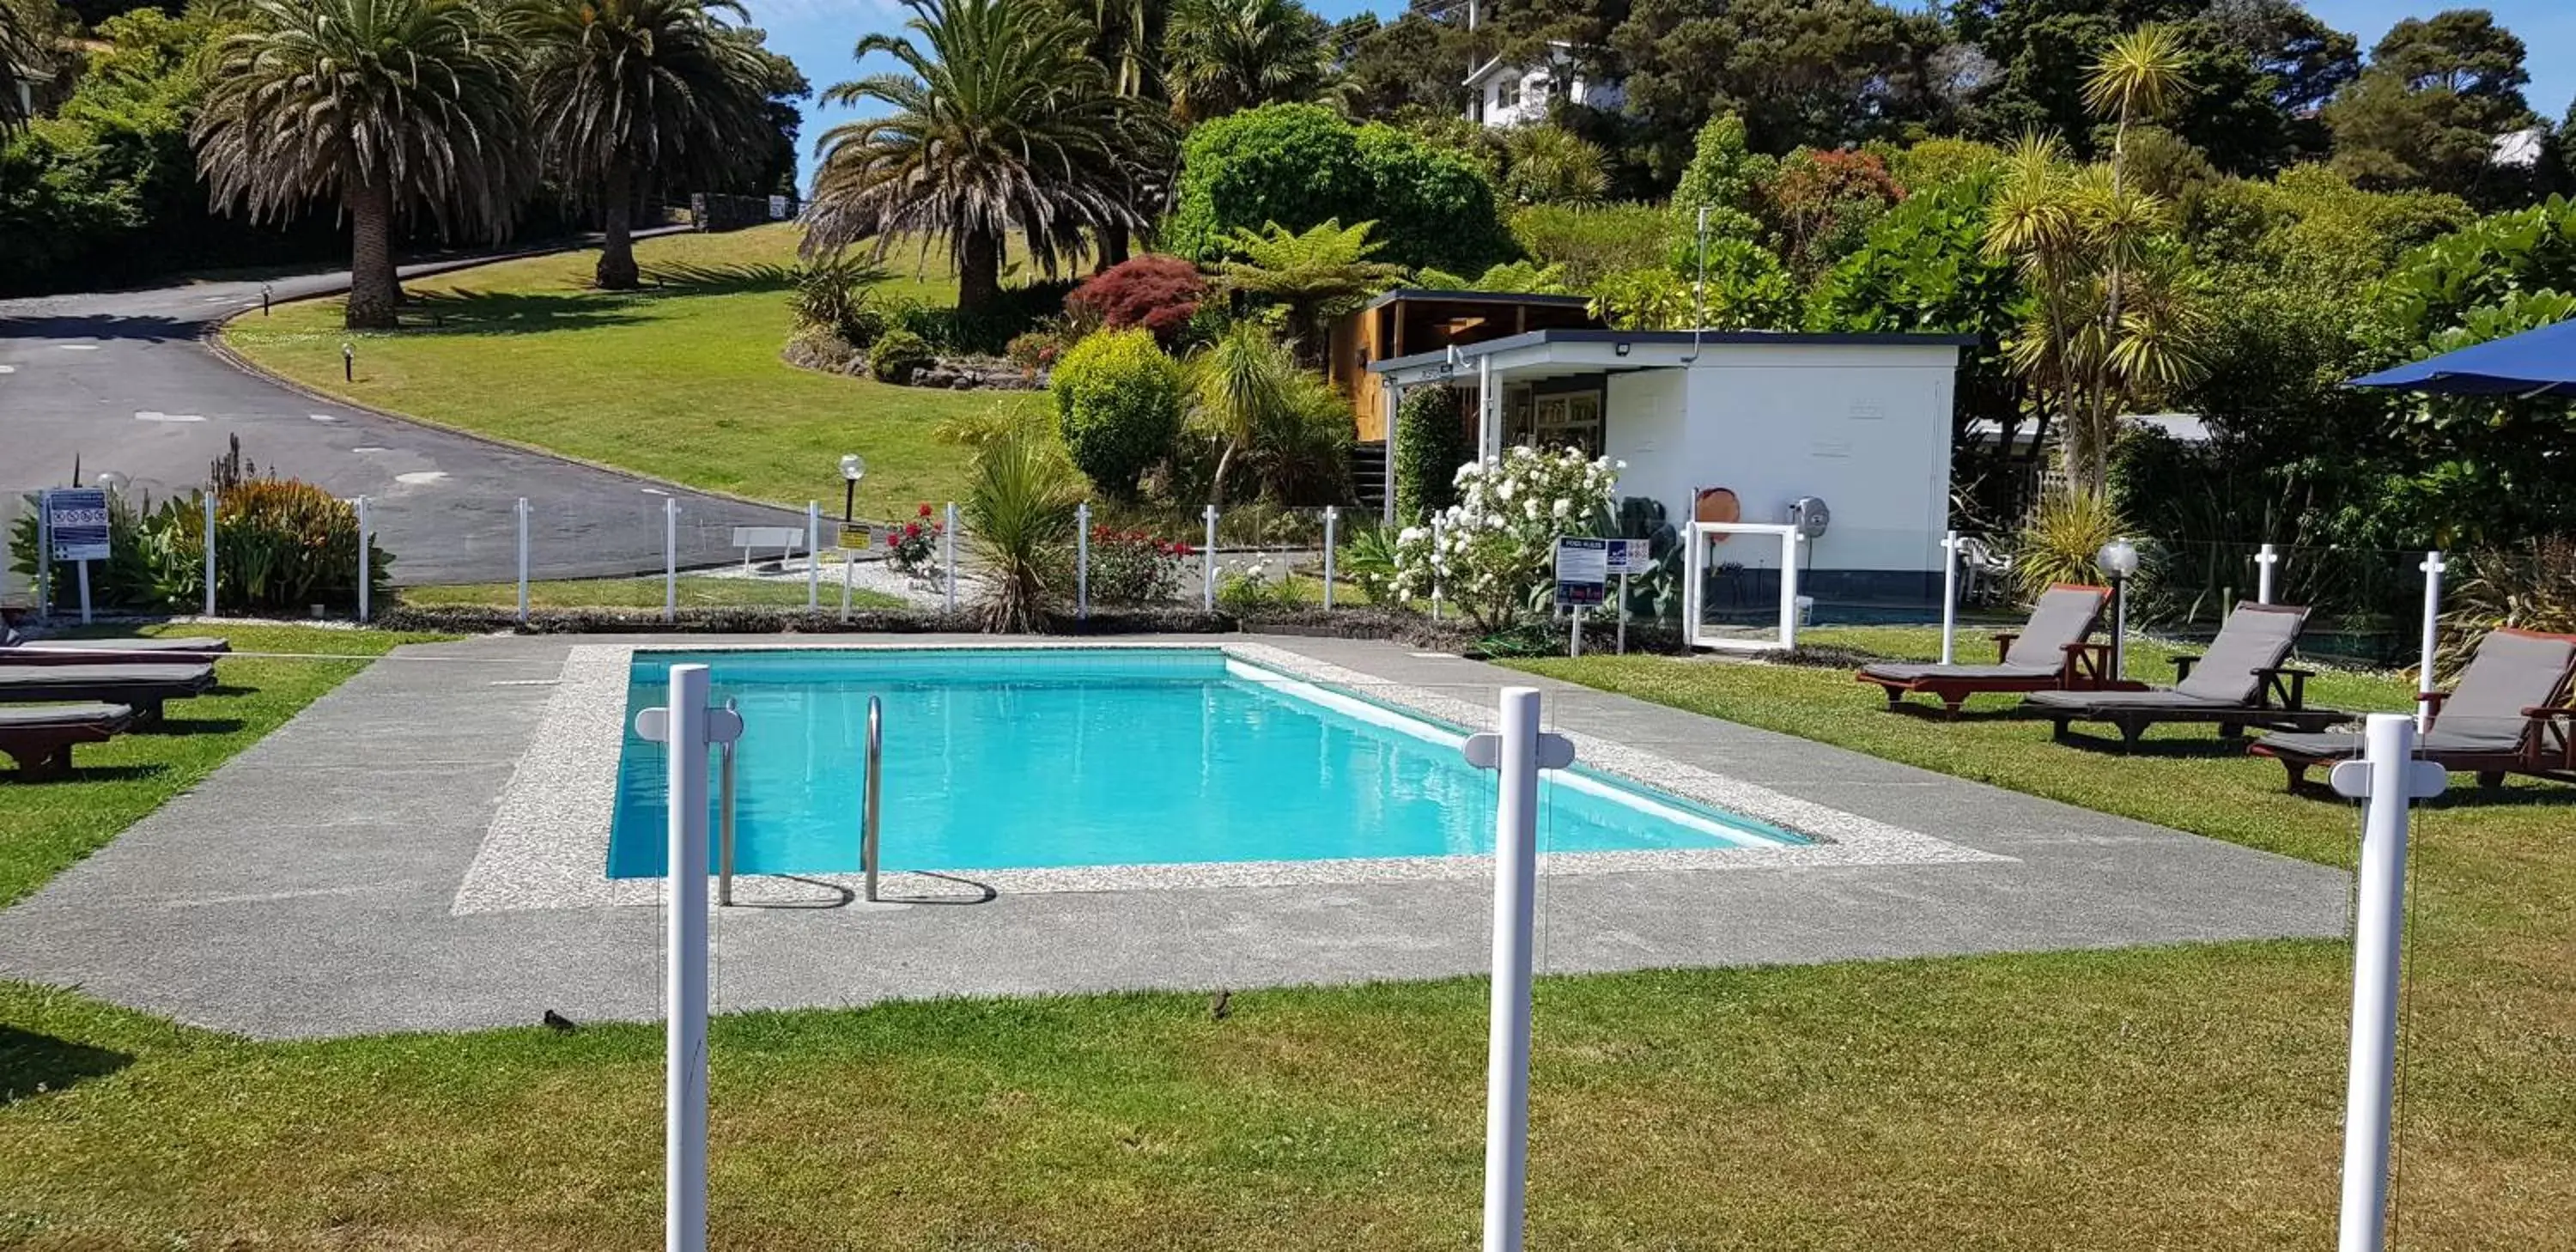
{"x": 925, "y": 509}
{"x": 890, "y": 539}
{"x": 912, "y": 530}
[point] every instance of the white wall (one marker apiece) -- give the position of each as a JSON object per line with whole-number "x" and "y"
{"x": 1865, "y": 428}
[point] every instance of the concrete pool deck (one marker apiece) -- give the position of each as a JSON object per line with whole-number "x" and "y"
{"x": 312, "y": 887}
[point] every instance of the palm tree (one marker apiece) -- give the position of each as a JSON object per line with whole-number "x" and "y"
{"x": 1249, "y": 394}
{"x": 625, "y": 91}
{"x": 391, "y": 108}
{"x": 1019, "y": 517}
{"x": 1003, "y": 124}
{"x": 1220, "y": 56}
{"x": 26, "y": 57}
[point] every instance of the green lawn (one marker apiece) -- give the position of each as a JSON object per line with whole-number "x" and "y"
{"x": 44, "y": 827}
{"x": 696, "y": 591}
{"x": 683, "y": 381}
{"x": 2173, "y": 1098}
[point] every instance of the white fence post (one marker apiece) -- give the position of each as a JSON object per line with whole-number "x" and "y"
{"x": 2386, "y": 780}
{"x": 1331, "y": 517}
{"x": 210, "y": 553}
{"x": 2263, "y": 563}
{"x": 670, "y": 559}
{"x": 1435, "y": 567}
{"x": 1949, "y": 597}
{"x": 523, "y": 560}
{"x": 948, "y": 541}
{"x": 686, "y": 726}
{"x": 2433, "y": 568}
{"x": 44, "y": 556}
{"x": 1517, "y": 750}
{"x": 1207, "y": 564}
{"x": 813, "y": 556}
{"x": 1789, "y": 590}
{"x": 366, "y": 572}
{"x": 849, "y": 563}
{"x": 1082, "y": 561}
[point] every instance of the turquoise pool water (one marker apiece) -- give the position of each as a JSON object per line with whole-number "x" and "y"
{"x": 1039, "y": 758}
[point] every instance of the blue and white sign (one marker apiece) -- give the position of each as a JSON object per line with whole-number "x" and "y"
{"x": 1582, "y": 570}
{"x": 1630, "y": 556}
{"x": 76, "y": 522}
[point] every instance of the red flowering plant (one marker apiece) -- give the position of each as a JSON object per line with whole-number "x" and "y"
{"x": 909, "y": 547}
{"x": 1133, "y": 567}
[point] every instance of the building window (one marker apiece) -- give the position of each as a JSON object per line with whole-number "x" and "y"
{"x": 1507, "y": 95}
{"x": 1568, "y": 420}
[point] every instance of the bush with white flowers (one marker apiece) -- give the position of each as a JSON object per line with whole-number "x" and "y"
{"x": 1492, "y": 553}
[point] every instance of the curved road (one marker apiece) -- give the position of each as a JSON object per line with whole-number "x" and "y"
{"x": 121, "y": 381}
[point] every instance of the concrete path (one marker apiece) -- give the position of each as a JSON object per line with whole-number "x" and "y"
{"x": 308, "y": 888}
{"x": 122, "y": 381}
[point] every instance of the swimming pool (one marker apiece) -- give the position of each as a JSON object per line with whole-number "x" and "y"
{"x": 1029, "y": 758}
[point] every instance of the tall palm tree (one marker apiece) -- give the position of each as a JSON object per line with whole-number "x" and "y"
{"x": 392, "y": 108}
{"x": 26, "y": 57}
{"x": 629, "y": 92}
{"x": 1223, "y": 55}
{"x": 1003, "y": 124}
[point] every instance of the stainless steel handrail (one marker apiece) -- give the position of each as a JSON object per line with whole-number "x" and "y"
{"x": 870, "y": 797}
{"x": 724, "y": 839}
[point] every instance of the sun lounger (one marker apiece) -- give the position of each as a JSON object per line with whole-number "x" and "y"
{"x": 144, "y": 688}
{"x": 2239, "y": 682}
{"x": 41, "y": 737}
{"x": 2047, "y": 654}
{"x": 2507, "y": 714}
{"x": 114, "y": 651}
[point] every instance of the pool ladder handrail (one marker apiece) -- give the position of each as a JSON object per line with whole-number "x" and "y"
{"x": 871, "y": 795}
{"x": 724, "y": 819}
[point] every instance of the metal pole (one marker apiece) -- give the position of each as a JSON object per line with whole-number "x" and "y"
{"x": 813, "y": 556}
{"x": 366, "y": 574}
{"x": 670, "y": 559}
{"x": 1207, "y": 564}
{"x": 1435, "y": 569}
{"x": 1949, "y": 596}
{"x": 44, "y": 555}
{"x": 948, "y": 537}
{"x": 873, "y": 795}
{"x": 523, "y": 560}
{"x": 82, "y": 569}
{"x": 210, "y": 553}
{"x": 1789, "y": 591}
{"x": 1623, "y": 610}
{"x": 1331, "y": 516}
{"x": 1394, "y": 414}
{"x": 1574, "y": 640}
{"x": 2385, "y": 780}
{"x": 1082, "y": 561}
{"x": 2263, "y": 562}
{"x": 725, "y": 827}
{"x": 848, "y": 563}
{"x": 2433, "y": 567}
{"x": 683, "y": 727}
{"x": 2119, "y": 627}
{"x": 1507, "y": 1056}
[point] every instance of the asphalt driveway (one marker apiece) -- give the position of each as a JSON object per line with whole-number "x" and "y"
{"x": 122, "y": 381}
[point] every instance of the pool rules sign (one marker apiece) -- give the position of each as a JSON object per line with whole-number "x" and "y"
{"x": 75, "y": 523}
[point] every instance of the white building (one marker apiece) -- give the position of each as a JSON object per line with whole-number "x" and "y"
{"x": 1741, "y": 422}
{"x": 1500, "y": 94}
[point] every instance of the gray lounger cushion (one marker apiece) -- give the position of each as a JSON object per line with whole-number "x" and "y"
{"x": 2088, "y": 701}
{"x": 2063, "y": 615}
{"x": 188, "y": 643}
{"x": 17, "y": 717}
{"x": 2509, "y": 673}
{"x": 92, "y": 682}
{"x": 1916, "y": 670}
{"x": 2255, "y": 638}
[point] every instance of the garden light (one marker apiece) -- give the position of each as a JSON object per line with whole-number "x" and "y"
{"x": 2119, "y": 560}
{"x": 853, "y": 468}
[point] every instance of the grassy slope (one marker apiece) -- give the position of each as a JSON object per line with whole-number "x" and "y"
{"x": 682, "y": 382}
{"x": 2181, "y": 1098}
{"x": 45, "y": 827}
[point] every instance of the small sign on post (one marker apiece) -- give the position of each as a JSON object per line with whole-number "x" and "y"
{"x": 76, "y": 531}
{"x": 1582, "y": 579}
{"x": 1629, "y": 556}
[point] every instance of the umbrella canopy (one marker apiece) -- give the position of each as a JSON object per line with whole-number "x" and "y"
{"x": 2535, "y": 362}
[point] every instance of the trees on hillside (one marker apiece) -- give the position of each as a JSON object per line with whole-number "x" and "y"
{"x": 390, "y": 109}
{"x": 1221, "y": 56}
{"x": 628, "y": 91}
{"x": 1001, "y": 125}
{"x": 2428, "y": 111}
{"x": 26, "y": 56}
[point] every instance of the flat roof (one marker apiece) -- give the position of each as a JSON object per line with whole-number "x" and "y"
{"x": 1676, "y": 338}
{"x": 1428, "y": 294}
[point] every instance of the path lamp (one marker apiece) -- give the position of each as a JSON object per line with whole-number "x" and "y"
{"x": 2119, "y": 560}
{"x": 853, "y": 468}
{"x": 348, "y": 361}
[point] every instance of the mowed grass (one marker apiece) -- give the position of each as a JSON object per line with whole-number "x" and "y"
{"x": 696, "y": 591}
{"x": 682, "y": 381}
{"x": 2151, "y": 1098}
{"x": 44, "y": 827}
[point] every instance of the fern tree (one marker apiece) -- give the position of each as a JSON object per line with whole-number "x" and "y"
{"x": 627, "y": 93}
{"x": 390, "y": 109}
{"x": 1316, "y": 275}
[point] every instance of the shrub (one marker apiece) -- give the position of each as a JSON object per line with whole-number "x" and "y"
{"x": 1133, "y": 567}
{"x": 281, "y": 545}
{"x": 1430, "y": 444}
{"x": 1299, "y": 165}
{"x": 2058, "y": 540}
{"x": 2533, "y": 588}
{"x": 1159, "y": 293}
{"x": 1251, "y": 589}
{"x": 909, "y": 546}
{"x": 1592, "y": 244}
{"x": 1020, "y": 517}
{"x": 1368, "y": 560}
{"x": 1491, "y": 553}
{"x": 1118, "y": 405}
{"x": 897, "y": 355}
{"x": 1551, "y": 165}
{"x": 831, "y": 294}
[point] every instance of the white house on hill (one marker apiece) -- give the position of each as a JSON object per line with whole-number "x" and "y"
{"x": 1501, "y": 94}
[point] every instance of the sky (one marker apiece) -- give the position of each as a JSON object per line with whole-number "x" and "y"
{"x": 817, "y": 35}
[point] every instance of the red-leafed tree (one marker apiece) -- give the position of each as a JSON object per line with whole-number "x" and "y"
{"x": 1159, "y": 293}
{"x": 1820, "y": 204}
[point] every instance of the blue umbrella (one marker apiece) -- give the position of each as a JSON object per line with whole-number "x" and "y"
{"x": 2538, "y": 362}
